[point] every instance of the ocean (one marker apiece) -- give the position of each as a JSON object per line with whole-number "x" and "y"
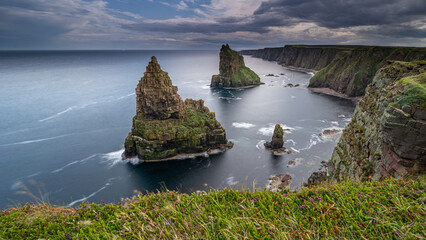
{"x": 64, "y": 116}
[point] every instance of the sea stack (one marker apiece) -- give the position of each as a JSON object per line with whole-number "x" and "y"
{"x": 277, "y": 143}
{"x": 232, "y": 71}
{"x": 166, "y": 127}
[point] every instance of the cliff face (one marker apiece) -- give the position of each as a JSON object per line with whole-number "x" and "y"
{"x": 165, "y": 127}
{"x": 351, "y": 73}
{"x": 387, "y": 134}
{"x": 345, "y": 69}
{"x": 232, "y": 71}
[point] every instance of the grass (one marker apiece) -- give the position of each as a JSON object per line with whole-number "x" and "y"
{"x": 414, "y": 92}
{"x": 390, "y": 209}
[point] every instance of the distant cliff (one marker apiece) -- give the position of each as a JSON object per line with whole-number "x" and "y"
{"x": 351, "y": 73}
{"x": 345, "y": 69}
{"x": 387, "y": 134}
{"x": 166, "y": 127}
{"x": 232, "y": 71}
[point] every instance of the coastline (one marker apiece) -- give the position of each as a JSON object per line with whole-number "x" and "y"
{"x": 331, "y": 92}
{"x": 300, "y": 69}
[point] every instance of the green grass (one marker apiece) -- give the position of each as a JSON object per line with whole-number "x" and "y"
{"x": 414, "y": 92}
{"x": 391, "y": 209}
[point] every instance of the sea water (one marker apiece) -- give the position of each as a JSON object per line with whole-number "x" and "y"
{"x": 64, "y": 116}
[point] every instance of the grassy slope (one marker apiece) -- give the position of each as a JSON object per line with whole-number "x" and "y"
{"x": 392, "y": 209}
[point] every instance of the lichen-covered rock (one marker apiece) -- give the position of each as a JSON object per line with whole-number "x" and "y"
{"x": 387, "y": 134}
{"x": 232, "y": 71}
{"x": 165, "y": 127}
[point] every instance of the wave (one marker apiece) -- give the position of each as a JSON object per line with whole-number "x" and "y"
{"x": 231, "y": 181}
{"x": 261, "y": 145}
{"x": 206, "y": 87}
{"x": 231, "y": 98}
{"x": 341, "y": 116}
{"x": 269, "y": 131}
{"x": 335, "y": 123}
{"x": 242, "y": 125}
{"x": 75, "y": 162}
{"x": 290, "y": 141}
{"x": 315, "y": 139}
{"x": 92, "y": 194}
{"x": 114, "y": 158}
{"x": 36, "y": 140}
{"x": 84, "y": 106}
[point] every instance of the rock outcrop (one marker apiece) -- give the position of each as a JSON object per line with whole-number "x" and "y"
{"x": 277, "y": 143}
{"x": 232, "y": 71}
{"x": 387, "y": 134}
{"x": 280, "y": 182}
{"x": 165, "y": 127}
{"x": 345, "y": 69}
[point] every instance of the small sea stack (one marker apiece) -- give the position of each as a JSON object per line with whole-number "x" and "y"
{"x": 233, "y": 73}
{"x": 166, "y": 127}
{"x": 277, "y": 143}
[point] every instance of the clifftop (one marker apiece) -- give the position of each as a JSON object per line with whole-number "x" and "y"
{"x": 232, "y": 71}
{"x": 167, "y": 128}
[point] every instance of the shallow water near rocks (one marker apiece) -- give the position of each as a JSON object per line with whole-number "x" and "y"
{"x": 64, "y": 116}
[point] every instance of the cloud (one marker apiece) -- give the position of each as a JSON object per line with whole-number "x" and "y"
{"x": 337, "y": 14}
{"x": 45, "y": 24}
{"x": 257, "y": 23}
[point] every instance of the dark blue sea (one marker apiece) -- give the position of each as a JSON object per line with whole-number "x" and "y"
{"x": 64, "y": 116}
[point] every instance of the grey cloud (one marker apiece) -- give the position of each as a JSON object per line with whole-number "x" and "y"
{"x": 337, "y": 14}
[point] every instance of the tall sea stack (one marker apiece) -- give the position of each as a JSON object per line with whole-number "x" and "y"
{"x": 165, "y": 127}
{"x": 232, "y": 71}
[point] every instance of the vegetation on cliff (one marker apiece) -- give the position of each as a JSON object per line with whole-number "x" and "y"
{"x": 387, "y": 134}
{"x": 232, "y": 71}
{"x": 345, "y": 69}
{"x": 165, "y": 126}
{"x": 391, "y": 209}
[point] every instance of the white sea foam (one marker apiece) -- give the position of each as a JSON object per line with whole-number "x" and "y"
{"x": 231, "y": 181}
{"x": 92, "y": 194}
{"x": 242, "y": 125}
{"x": 342, "y": 116}
{"x": 205, "y": 87}
{"x": 36, "y": 140}
{"x": 114, "y": 158}
{"x": 290, "y": 141}
{"x": 75, "y": 162}
{"x": 261, "y": 145}
{"x": 231, "y": 98}
{"x": 269, "y": 130}
{"x": 293, "y": 149}
{"x": 347, "y": 119}
{"x": 314, "y": 140}
{"x": 335, "y": 123}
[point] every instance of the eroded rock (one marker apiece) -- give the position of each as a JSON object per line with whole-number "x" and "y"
{"x": 232, "y": 71}
{"x": 167, "y": 128}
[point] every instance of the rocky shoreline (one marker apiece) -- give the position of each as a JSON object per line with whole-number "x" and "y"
{"x": 331, "y": 92}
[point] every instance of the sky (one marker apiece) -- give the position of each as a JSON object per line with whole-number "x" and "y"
{"x": 206, "y": 24}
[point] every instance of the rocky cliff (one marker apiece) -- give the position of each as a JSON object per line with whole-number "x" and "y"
{"x": 345, "y": 69}
{"x": 165, "y": 127}
{"x": 232, "y": 71}
{"x": 387, "y": 134}
{"x": 351, "y": 73}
